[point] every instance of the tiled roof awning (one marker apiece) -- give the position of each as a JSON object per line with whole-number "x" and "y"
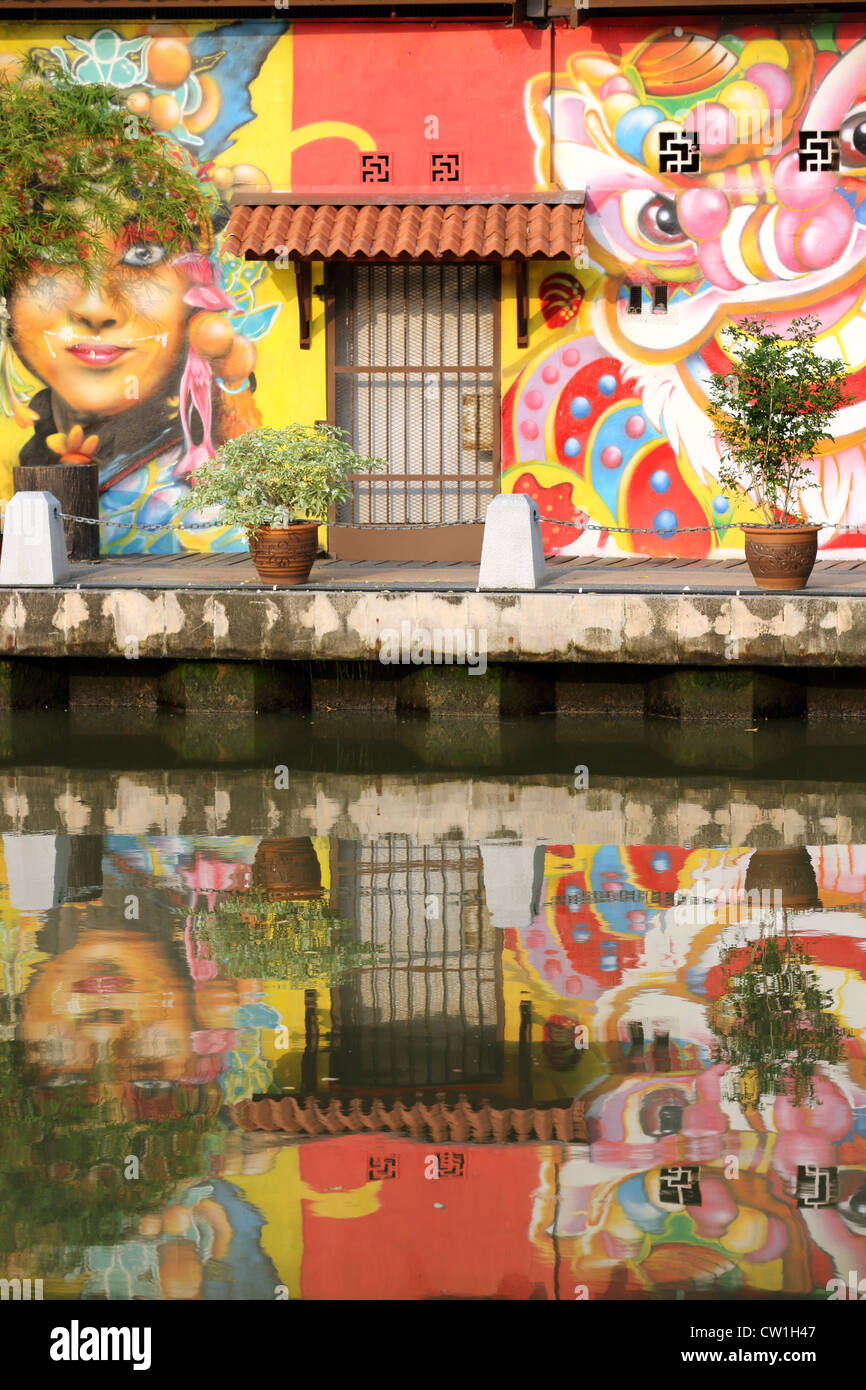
{"x": 529, "y": 230}
{"x": 457, "y": 1123}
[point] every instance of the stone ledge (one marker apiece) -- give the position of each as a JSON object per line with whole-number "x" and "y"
{"x": 346, "y": 625}
{"x": 430, "y": 807}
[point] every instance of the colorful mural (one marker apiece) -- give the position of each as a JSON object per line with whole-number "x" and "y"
{"x": 140, "y": 1035}
{"x": 607, "y": 417}
{"x": 604, "y": 414}
{"x": 618, "y": 945}
{"x": 155, "y": 361}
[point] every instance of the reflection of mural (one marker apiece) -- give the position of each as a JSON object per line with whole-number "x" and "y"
{"x": 608, "y": 415}
{"x": 154, "y": 359}
{"x": 136, "y": 1032}
{"x": 653, "y": 1104}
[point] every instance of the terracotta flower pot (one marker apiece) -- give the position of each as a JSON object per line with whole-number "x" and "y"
{"x": 288, "y": 868}
{"x": 285, "y": 554}
{"x": 781, "y": 557}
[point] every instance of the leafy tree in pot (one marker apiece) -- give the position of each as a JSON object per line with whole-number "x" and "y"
{"x": 772, "y": 410}
{"x": 274, "y": 477}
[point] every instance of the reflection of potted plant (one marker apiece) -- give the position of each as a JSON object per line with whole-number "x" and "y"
{"x": 786, "y": 871}
{"x": 255, "y": 938}
{"x": 270, "y": 482}
{"x": 771, "y": 411}
{"x": 773, "y": 1021}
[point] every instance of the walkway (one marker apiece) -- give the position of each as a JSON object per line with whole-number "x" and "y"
{"x": 626, "y": 574}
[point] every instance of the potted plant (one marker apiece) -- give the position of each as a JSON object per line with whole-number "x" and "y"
{"x": 278, "y": 484}
{"x": 770, "y": 412}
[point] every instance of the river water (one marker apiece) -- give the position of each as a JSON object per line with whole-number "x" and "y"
{"x": 308, "y": 1010}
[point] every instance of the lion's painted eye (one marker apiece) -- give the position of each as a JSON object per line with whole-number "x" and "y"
{"x": 658, "y": 221}
{"x": 852, "y": 140}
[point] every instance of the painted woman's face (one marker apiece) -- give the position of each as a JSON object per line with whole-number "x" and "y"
{"x": 102, "y": 348}
{"x": 112, "y": 999}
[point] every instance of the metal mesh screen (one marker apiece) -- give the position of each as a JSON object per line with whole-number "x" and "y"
{"x": 414, "y": 367}
{"x": 429, "y": 1011}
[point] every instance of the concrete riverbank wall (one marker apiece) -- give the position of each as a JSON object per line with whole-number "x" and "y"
{"x": 683, "y": 656}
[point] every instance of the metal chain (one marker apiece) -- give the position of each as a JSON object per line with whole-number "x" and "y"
{"x": 573, "y": 525}
{"x": 144, "y": 526}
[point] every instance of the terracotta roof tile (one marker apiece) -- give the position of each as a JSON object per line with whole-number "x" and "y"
{"x": 461, "y": 1123}
{"x": 434, "y": 231}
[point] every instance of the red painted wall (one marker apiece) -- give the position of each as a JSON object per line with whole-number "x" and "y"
{"x": 389, "y": 80}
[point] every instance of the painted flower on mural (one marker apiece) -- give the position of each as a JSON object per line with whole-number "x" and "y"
{"x": 560, "y": 297}
{"x": 555, "y": 507}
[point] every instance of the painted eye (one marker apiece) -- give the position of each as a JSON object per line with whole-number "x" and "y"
{"x": 143, "y": 256}
{"x": 852, "y": 140}
{"x": 658, "y": 221}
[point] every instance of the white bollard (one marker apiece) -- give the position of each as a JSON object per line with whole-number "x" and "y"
{"x": 511, "y": 552}
{"x": 37, "y": 867}
{"x": 34, "y": 546}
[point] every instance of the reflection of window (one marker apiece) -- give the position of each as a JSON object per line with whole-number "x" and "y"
{"x": 429, "y": 1010}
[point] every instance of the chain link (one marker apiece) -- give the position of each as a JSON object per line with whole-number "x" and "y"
{"x": 145, "y": 526}
{"x": 662, "y": 532}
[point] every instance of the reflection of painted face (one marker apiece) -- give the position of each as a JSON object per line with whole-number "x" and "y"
{"x": 104, "y": 346}
{"x": 114, "y": 1000}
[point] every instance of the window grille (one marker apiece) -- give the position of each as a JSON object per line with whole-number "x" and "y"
{"x": 416, "y": 383}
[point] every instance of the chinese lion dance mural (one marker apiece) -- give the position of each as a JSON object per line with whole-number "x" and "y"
{"x": 655, "y": 1106}
{"x": 607, "y": 420}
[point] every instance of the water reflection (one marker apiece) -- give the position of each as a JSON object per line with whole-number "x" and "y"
{"x": 417, "y": 1062}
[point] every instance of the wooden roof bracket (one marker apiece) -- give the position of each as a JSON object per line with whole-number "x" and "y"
{"x": 522, "y": 277}
{"x": 304, "y": 282}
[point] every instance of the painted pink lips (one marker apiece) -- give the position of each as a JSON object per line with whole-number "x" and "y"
{"x": 97, "y": 354}
{"x": 103, "y": 984}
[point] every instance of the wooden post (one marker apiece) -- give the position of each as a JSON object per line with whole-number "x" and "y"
{"x": 76, "y": 487}
{"x": 522, "y": 273}
{"x": 304, "y": 282}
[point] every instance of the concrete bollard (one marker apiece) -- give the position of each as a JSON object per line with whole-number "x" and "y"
{"x": 37, "y": 867}
{"x": 34, "y": 546}
{"x": 511, "y": 552}
{"x": 513, "y": 882}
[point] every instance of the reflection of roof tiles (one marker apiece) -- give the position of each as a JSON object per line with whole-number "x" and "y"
{"x": 520, "y": 231}
{"x": 460, "y": 1123}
